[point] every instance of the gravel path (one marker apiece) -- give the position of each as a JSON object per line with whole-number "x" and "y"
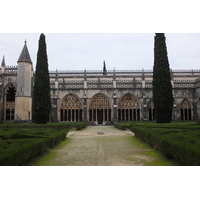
{"x": 102, "y": 146}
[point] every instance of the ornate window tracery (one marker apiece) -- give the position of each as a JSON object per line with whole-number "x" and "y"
{"x": 151, "y": 110}
{"x": 129, "y": 108}
{"x": 186, "y": 110}
{"x": 9, "y": 109}
{"x": 71, "y": 109}
{"x": 100, "y": 109}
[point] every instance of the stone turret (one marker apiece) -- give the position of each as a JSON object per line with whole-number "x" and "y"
{"x": 3, "y": 65}
{"x": 23, "y": 106}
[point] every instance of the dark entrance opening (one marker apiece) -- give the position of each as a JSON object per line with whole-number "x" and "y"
{"x": 100, "y": 116}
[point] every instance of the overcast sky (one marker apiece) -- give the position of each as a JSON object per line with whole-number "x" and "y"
{"x": 122, "y": 51}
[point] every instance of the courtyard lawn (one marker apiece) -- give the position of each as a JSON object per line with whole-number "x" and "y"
{"x": 178, "y": 140}
{"x": 113, "y": 148}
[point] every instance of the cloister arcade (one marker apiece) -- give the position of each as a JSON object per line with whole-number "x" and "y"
{"x": 71, "y": 109}
{"x": 186, "y": 110}
{"x": 129, "y": 108}
{"x": 100, "y": 109}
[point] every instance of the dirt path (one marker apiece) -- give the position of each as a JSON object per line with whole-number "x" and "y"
{"x": 102, "y": 146}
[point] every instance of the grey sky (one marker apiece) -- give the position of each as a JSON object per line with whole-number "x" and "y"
{"x": 79, "y": 51}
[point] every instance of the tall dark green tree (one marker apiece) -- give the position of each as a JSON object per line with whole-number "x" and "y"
{"x": 162, "y": 87}
{"x": 41, "y": 93}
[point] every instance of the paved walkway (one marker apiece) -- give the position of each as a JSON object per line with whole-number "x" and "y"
{"x": 102, "y": 146}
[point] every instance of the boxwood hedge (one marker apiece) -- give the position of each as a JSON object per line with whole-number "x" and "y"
{"x": 180, "y": 141}
{"x": 19, "y": 143}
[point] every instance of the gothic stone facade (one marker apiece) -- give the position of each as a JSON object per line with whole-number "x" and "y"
{"x": 97, "y": 97}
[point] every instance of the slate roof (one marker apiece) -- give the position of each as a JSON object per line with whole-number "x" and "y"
{"x": 24, "y": 56}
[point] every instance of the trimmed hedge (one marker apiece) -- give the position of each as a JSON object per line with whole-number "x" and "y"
{"x": 180, "y": 141}
{"x": 19, "y": 143}
{"x": 122, "y": 125}
{"x": 21, "y": 150}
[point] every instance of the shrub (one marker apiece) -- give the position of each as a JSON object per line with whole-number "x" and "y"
{"x": 19, "y": 143}
{"x": 180, "y": 141}
{"x": 122, "y": 125}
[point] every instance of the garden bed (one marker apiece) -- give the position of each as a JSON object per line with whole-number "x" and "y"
{"x": 178, "y": 140}
{"x": 19, "y": 143}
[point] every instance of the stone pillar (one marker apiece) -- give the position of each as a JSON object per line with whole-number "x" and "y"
{"x": 104, "y": 112}
{"x": 114, "y": 108}
{"x": 84, "y": 117}
{"x": 70, "y": 115}
{"x": 64, "y": 115}
{"x": 194, "y": 113}
{"x": 75, "y": 115}
{"x": 54, "y": 112}
{"x": 79, "y": 110}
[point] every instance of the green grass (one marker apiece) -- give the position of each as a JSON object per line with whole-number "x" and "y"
{"x": 49, "y": 155}
{"x": 159, "y": 158}
{"x": 128, "y": 149}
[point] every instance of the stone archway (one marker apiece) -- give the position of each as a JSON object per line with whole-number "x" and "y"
{"x": 100, "y": 110}
{"x": 9, "y": 106}
{"x": 129, "y": 108}
{"x": 71, "y": 109}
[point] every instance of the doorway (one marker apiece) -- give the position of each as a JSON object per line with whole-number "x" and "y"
{"x": 100, "y": 116}
{"x": 100, "y": 110}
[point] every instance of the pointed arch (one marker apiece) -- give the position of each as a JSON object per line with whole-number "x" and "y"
{"x": 129, "y": 108}
{"x": 9, "y": 99}
{"x": 100, "y": 109}
{"x": 186, "y": 110}
{"x": 71, "y": 108}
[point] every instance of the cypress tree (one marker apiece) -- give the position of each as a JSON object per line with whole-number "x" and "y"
{"x": 41, "y": 93}
{"x": 162, "y": 87}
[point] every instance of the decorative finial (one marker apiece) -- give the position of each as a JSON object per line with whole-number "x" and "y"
{"x": 25, "y": 42}
{"x": 104, "y": 68}
{"x": 3, "y": 64}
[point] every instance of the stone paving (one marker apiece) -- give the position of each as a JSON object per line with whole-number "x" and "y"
{"x": 102, "y": 146}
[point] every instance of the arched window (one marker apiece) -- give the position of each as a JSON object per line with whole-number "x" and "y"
{"x": 100, "y": 109}
{"x": 9, "y": 112}
{"x": 71, "y": 109}
{"x": 151, "y": 110}
{"x": 186, "y": 111}
{"x": 129, "y": 108}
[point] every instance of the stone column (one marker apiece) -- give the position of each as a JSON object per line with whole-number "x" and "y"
{"x": 79, "y": 114}
{"x": 114, "y": 108}
{"x": 92, "y": 115}
{"x": 104, "y": 111}
{"x": 74, "y": 115}
{"x": 84, "y": 117}
{"x": 66, "y": 115}
{"x": 71, "y": 115}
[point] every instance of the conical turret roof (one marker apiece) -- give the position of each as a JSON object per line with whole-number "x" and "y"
{"x": 3, "y": 64}
{"x": 24, "y": 56}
